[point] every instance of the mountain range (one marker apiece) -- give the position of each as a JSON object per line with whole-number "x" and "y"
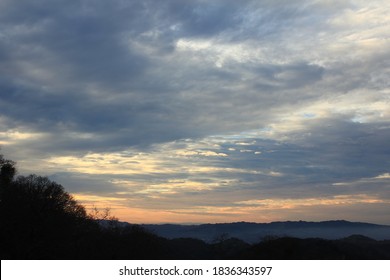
{"x": 256, "y": 232}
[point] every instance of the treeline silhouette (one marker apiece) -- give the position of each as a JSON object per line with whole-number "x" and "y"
{"x": 40, "y": 220}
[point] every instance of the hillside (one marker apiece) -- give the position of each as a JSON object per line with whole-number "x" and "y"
{"x": 255, "y": 232}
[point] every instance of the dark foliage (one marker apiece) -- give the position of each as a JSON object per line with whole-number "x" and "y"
{"x": 288, "y": 248}
{"x": 39, "y": 220}
{"x": 188, "y": 248}
{"x": 7, "y": 171}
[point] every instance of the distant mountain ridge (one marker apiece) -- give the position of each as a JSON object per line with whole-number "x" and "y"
{"x": 256, "y": 232}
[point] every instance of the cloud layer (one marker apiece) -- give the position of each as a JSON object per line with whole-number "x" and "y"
{"x": 202, "y": 111}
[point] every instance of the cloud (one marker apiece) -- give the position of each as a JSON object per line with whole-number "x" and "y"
{"x": 173, "y": 101}
{"x": 86, "y": 68}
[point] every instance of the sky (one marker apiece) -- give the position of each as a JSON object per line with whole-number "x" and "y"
{"x": 202, "y": 111}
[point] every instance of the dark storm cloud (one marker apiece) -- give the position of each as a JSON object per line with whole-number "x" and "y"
{"x": 82, "y": 44}
{"x": 56, "y": 53}
{"x": 83, "y": 183}
{"x": 200, "y": 18}
{"x": 102, "y": 68}
{"x": 276, "y": 77}
{"x": 331, "y": 148}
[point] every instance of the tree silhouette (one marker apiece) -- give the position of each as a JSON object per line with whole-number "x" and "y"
{"x": 7, "y": 171}
{"x": 47, "y": 197}
{"x": 38, "y": 218}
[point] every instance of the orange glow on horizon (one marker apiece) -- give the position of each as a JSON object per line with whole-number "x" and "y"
{"x": 263, "y": 211}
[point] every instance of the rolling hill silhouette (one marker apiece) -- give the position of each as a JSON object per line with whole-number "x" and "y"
{"x": 256, "y": 232}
